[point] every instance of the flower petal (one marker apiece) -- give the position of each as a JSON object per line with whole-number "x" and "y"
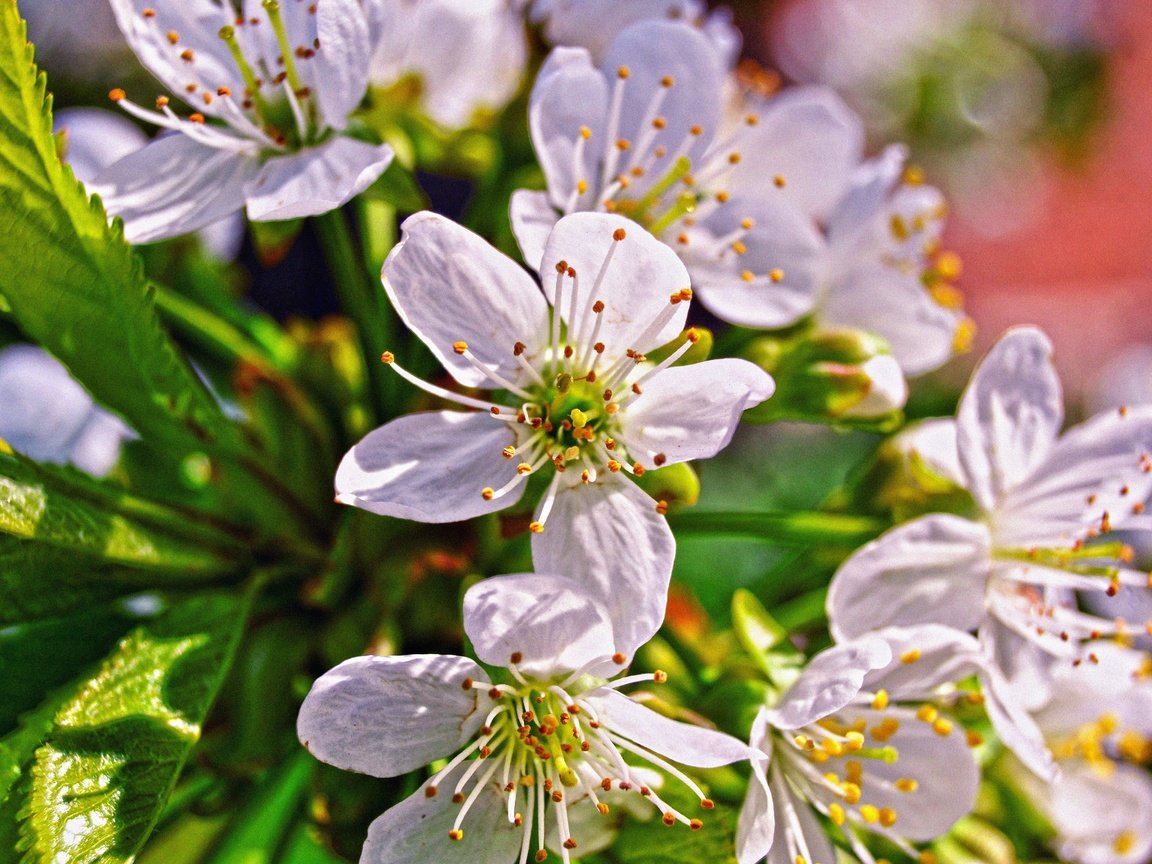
{"x": 757, "y": 823}
{"x": 415, "y": 831}
{"x": 894, "y": 304}
{"x": 385, "y": 716}
{"x": 592, "y": 24}
{"x": 943, "y": 656}
{"x": 928, "y": 571}
{"x": 449, "y": 285}
{"x": 45, "y": 409}
{"x": 1094, "y": 479}
{"x": 680, "y": 742}
{"x": 1102, "y": 818}
{"x": 784, "y": 255}
{"x": 691, "y": 412}
{"x": 872, "y": 185}
{"x": 316, "y": 180}
{"x": 340, "y": 65}
{"x": 1009, "y": 415}
{"x": 569, "y": 94}
{"x": 796, "y": 824}
{"x": 811, "y": 138}
{"x": 96, "y": 138}
{"x": 552, "y": 622}
{"x": 1015, "y": 727}
{"x": 533, "y": 217}
{"x": 429, "y": 467}
{"x": 609, "y": 536}
{"x": 829, "y": 682}
{"x": 173, "y": 186}
{"x": 97, "y": 449}
{"x": 636, "y": 287}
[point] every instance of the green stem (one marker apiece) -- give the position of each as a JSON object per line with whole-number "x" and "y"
{"x": 784, "y": 529}
{"x": 361, "y": 299}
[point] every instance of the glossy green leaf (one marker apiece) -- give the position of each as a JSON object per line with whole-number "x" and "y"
{"x": 653, "y": 842}
{"x": 100, "y": 775}
{"x": 73, "y": 283}
{"x": 60, "y": 509}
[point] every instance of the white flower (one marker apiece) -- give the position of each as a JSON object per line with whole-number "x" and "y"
{"x": 467, "y": 56}
{"x": 773, "y": 213}
{"x": 1012, "y": 571}
{"x": 97, "y": 139}
{"x": 549, "y": 739}
{"x": 580, "y": 400}
{"x": 840, "y": 742}
{"x": 1098, "y": 721}
{"x": 271, "y": 90}
{"x": 49, "y": 417}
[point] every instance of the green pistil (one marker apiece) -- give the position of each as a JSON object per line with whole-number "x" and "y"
{"x": 684, "y": 205}
{"x": 272, "y": 7}
{"x": 678, "y": 172}
{"x": 887, "y": 754}
{"x": 1068, "y": 559}
{"x": 251, "y": 82}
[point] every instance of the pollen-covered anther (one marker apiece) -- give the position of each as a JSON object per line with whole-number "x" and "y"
{"x": 431, "y": 791}
{"x": 487, "y": 493}
{"x": 536, "y": 527}
{"x": 619, "y": 659}
{"x": 623, "y": 72}
{"x": 569, "y": 843}
{"x": 456, "y": 834}
{"x": 460, "y": 347}
{"x": 117, "y": 95}
{"x": 523, "y": 469}
{"x": 660, "y": 676}
{"x": 739, "y": 248}
{"x": 662, "y": 508}
{"x": 668, "y": 819}
{"x": 910, "y": 656}
{"x": 776, "y": 275}
{"x": 541, "y": 855}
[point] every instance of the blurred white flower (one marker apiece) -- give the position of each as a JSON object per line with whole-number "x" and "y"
{"x": 279, "y": 81}
{"x": 528, "y": 751}
{"x": 847, "y": 741}
{"x": 468, "y": 56}
{"x": 1013, "y": 569}
{"x": 49, "y": 417}
{"x": 74, "y": 38}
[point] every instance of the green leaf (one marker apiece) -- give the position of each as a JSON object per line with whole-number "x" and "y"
{"x": 653, "y": 842}
{"x": 263, "y": 826}
{"x": 60, "y": 509}
{"x": 98, "y": 779}
{"x": 72, "y": 282}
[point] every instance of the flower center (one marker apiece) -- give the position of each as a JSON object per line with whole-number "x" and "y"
{"x": 544, "y": 749}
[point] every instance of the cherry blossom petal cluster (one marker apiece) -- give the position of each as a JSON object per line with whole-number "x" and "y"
{"x": 860, "y": 739}
{"x": 533, "y": 756}
{"x": 577, "y": 398}
{"x": 270, "y": 88}
{"x": 767, "y": 198}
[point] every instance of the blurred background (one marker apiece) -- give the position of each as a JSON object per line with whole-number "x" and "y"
{"x": 1033, "y": 115}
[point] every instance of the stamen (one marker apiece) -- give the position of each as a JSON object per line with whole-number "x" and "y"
{"x": 390, "y": 360}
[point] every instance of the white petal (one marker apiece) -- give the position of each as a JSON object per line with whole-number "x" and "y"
{"x": 554, "y": 623}
{"x": 1092, "y": 813}
{"x": 197, "y": 23}
{"x": 533, "y": 217}
{"x": 887, "y": 389}
{"x": 934, "y": 442}
{"x": 782, "y": 238}
{"x": 593, "y": 24}
{"x": 795, "y": 821}
{"x": 637, "y": 285}
{"x": 450, "y": 286}
{"x": 757, "y": 823}
{"x": 97, "y": 448}
{"x": 945, "y": 656}
{"x": 1010, "y": 414}
{"x": 1025, "y": 667}
{"x": 653, "y": 50}
{"x": 894, "y": 304}
{"x": 1095, "y": 468}
{"x": 569, "y": 93}
{"x": 415, "y": 831}
{"x": 316, "y": 180}
{"x": 173, "y": 186}
{"x": 45, "y": 409}
{"x": 829, "y": 682}
{"x": 385, "y": 716}
{"x": 341, "y": 62}
{"x": 943, "y": 766}
{"x": 430, "y": 467}
{"x": 1079, "y": 694}
{"x": 1015, "y": 727}
{"x": 929, "y": 571}
{"x": 681, "y": 742}
{"x": 872, "y": 185}
{"x": 97, "y": 138}
{"x": 691, "y": 412}
{"x": 609, "y": 536}
{"x": 808, "y": 136}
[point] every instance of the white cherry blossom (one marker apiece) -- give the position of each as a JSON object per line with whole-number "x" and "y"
{"x": 860, "y": 738}
{"x": 527, "y": 752}
{"x": 771, "y": 207}
{"x": 271, "y": 90}
{"x": 1012, "y": 571}
{"x": 579, "y": 399}
{"x": 49, "y": 417}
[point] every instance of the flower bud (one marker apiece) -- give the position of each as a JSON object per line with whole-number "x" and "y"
{"x": 837, "y": 376}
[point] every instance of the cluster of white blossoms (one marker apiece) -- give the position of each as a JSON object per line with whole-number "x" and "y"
{"x": 669, "y": 176}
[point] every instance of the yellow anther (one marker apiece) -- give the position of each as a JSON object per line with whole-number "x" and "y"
{"x": 804, "y": 742}
{"x": 974, "y": 739}
{"x": 116, "y": 94}
{"x": 855, "y": 741}
{"x": 927, "y": 857}
{"x": 387, "y": 357}
{"x": 836, "y": 814}
{"x": 508, "y": 452}
{"x": 456, "y": 834}
{"x": 851, "y": 793}
{"x": 585, "y": 132}
{"x": 660, "y": 676}
{"x": 887, "y": 817}
{"x": 582, "y": 186}
{"x": 619, "y": 234}
{"x": 913, "y": 175}
{"x": 460, "y": 347}
{"x": 623, "y": 72}
{"x": 739, "y": 248}
{"x": 1124, "y": 843}
{"x": 942, "y": 727}
{"x": 909, "y": 657}
{"x": 927, "y": 714}
{"x": 870, "y": 813}
{"x": 667, "y": 81}
{"x": 899, "y": 227}
{"x": 695, "y": 824}
{"x": 780, "y": 181}
{"x": 536, "y": 527}
{"x": 907, "y": 784}
{"x": 776, "y": 275}
{"x": 523, "y": 468}
{"x": 880, "y": 700}
{"x": 748, "y": 276}
{"x": 487, "y": 493}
